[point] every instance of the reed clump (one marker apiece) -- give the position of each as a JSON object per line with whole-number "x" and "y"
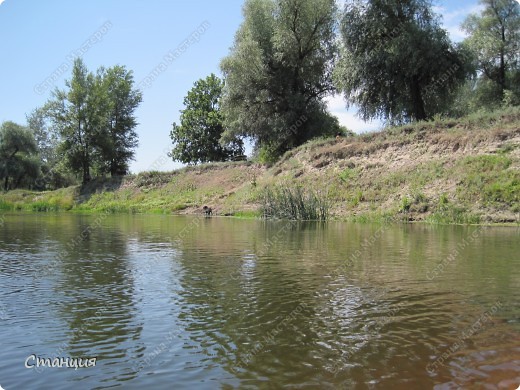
{"x": 294, "y": 203}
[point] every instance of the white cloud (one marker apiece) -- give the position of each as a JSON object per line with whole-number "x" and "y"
{"x": 348, "y": 118}
{"x": 1, "y": 1}
{"x": 452, "y": 19}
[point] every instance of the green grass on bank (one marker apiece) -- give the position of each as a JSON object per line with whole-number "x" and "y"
{"x": 23, "y": 200}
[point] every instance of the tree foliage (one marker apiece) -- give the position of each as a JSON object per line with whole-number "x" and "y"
{"x": 54, "y": 174}
{"x": 119, "y": 139}
{"x": 494, "y": 37}
{"x": 18, "y": 155}
{"x": 278, "y": 72}
{"x": 95, "y": 120}
{"x": 196, "y": 138}
{"x": 77, "y": 114}
{"x": 46, "y": 137}
{"x": 396, "y": 62}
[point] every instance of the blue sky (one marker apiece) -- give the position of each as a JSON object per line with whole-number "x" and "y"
{"x": 40, "y": 38}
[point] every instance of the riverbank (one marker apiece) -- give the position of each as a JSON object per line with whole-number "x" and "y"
{"x": 444, "y": 171}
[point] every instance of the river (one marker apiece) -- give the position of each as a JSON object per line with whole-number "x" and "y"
{"x": 161, "y": 302}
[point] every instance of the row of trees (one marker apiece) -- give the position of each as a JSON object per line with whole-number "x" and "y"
{"x": 87, "y": 129}
{"x": 390, "y": 58}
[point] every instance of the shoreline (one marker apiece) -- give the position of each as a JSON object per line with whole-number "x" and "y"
{"x": 374, "y": 221}
{"x": 449, "y": 172}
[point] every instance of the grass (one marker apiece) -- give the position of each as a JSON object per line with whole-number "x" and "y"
{"x": 6, "y": 206}
{"x": 48, "y": 201}
{"x": 451, "y": 214}
{"x": 377, "y": 217}
{"x": 247, "y": 214}
{"x": 488, "y": 179}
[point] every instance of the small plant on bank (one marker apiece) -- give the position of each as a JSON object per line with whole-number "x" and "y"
{"x": 405, "y": 204}
{"x": 443, "y": 200}
{"x": 357, "y": 198}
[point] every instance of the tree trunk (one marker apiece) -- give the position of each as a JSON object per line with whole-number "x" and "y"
{"x": 6, "y": 182}
{"x": 86, "y": 166}
{"x": 114, "y": 171}
{"x": 418, "y": 111}
{"x": 502, "y": 70}
{"x": 19, "y": 180}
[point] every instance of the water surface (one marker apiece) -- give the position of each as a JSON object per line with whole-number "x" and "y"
{"x": 187, "y": 302}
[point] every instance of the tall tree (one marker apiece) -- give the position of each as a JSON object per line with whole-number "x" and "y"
{"x": 77, "y": 114}
{"x": 494, "y": 37}
{"x": 396, "y": 62}
{"x": 118, "y": 138}
{"x": 278, "y": 72}
{"x": 45, "y": 135}
{"x": 18, "y": 154}
{"x": 54, "y": 171}
{"x": 196, "y": 139}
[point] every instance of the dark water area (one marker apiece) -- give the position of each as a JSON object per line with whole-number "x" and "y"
{"x": 167, "y": 302}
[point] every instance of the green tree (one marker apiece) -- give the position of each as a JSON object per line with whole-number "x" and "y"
{"x": 95, "y": 119}
{"x": 54, "y": 172}
{"x": 278, "y": 72}
{"x": 494, "y": 38}
{"x": 18, "y": 155}
{"x": 396, "y": 62}
{"x": 196, "y": 139}
{"x": 78, "y": 113}
{"x": 47, "y": 139}
{"x": 118, "y": 139}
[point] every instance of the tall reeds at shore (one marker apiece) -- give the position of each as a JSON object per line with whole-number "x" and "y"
{"x": 295, "y": 203}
